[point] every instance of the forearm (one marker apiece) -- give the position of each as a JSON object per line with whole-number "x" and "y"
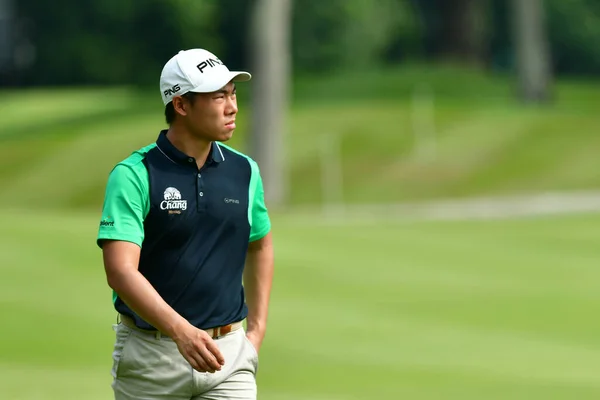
{"x": 258, "y": 278}
{"x": 139, "y": 295}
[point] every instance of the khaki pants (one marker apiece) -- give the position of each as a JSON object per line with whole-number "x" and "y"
{"x": 150, "y": 367}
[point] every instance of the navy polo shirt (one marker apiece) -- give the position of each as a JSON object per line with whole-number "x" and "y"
{"x": 193, "y": 226}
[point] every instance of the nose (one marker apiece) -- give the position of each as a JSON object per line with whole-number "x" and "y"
{"x": 232, "y": 107}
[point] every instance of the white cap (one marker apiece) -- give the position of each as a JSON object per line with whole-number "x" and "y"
{"x": 196, "y": 70}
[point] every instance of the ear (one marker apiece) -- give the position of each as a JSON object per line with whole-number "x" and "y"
{"x": 180, "y": 106}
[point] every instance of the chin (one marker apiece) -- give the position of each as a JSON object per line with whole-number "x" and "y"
{"x": 225, "y": 136}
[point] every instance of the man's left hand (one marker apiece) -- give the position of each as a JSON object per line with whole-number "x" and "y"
{"x": 255, "y": 339}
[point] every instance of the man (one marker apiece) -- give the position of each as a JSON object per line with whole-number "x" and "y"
{"x": 184, "y": 224}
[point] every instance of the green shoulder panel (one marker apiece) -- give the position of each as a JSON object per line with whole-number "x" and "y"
{"x": 126, "y": 201}
{"x": 260, "y": 223}
{"x": 258, "y": 216}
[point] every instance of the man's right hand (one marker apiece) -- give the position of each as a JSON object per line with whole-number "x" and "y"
{"x": 121, "y": 260}
{"x": 199, "y": 349}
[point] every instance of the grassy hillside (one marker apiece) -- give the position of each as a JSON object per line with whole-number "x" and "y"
{"x": 421, "y": 310}
{"x": 57, "y": 146}
{"x": 411, "y": 312}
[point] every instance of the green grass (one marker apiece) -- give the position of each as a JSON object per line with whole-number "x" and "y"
{"x": 379, "y": 309}
{"x": 383, "y": 309}
{"x": 421, "y": 310}
{"x": 486, "y": 143}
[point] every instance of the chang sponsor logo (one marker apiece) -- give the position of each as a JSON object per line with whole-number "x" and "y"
{"x": 173, "y": 202}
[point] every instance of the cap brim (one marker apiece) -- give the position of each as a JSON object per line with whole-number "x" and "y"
{"x": 241, "y": 76}
{"x": 216, "y": 84}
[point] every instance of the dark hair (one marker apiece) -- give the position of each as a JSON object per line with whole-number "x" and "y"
{"x": 170, "y": 110}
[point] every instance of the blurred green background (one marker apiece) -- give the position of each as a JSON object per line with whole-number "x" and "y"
{"x": 438, "y": 234}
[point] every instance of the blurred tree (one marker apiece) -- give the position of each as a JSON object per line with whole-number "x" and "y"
{"x": 233, "y": 25}
{"x": 112, "y": 42}
{"x": 6, "y": 19}
{"x": 407, "y": 34}
{"x": 116, "y": 42}
{"x": 501, "y": 53}
{"x": 271, "y": 65}
{"x": 467, "y": 31}
{"x": 7, "y": 49}
{"x": 574, "y": 33}
{"x": 346, "y": 34}
{"x": 532, "y": 50}
{"x": 458, "y": 30}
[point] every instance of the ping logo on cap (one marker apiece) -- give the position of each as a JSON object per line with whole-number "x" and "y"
{"x": 211, "y": 62}
{"x": 172, "y": 90}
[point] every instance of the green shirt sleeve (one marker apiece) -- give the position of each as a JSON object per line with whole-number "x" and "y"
{"x": 126, "y": 205}
{"x": 260, "y": 223}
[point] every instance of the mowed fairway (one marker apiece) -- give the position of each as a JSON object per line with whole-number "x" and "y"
{"x": 380, "y": 310}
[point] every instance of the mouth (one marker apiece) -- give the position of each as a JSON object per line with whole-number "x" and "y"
{"x": 230, "y": 125}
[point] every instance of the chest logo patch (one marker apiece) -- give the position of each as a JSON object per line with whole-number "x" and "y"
{"x": 173, "y": 201}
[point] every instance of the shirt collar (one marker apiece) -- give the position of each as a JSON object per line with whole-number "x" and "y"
{"x": 177, "y": 156}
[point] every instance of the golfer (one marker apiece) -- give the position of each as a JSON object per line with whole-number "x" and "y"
{"x": 183, "y": 225}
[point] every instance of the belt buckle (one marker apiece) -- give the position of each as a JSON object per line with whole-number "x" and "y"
{"x": 221, "y": 331}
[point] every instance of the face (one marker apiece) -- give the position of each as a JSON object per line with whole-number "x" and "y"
{"x": 210, "y": 116}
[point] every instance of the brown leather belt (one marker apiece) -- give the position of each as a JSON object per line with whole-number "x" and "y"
{"x": 214, "y": 333}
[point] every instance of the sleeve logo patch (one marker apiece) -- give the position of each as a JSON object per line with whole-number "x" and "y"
{"x": 107, "y": 222}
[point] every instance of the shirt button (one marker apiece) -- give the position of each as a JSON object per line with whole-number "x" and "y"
{"x": 201, "y": 194}
{"x": 199, "y": 176}
{"x": 191, "y": 160}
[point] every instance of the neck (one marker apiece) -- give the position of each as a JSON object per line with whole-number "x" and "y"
{"x": 189, "y": 145}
